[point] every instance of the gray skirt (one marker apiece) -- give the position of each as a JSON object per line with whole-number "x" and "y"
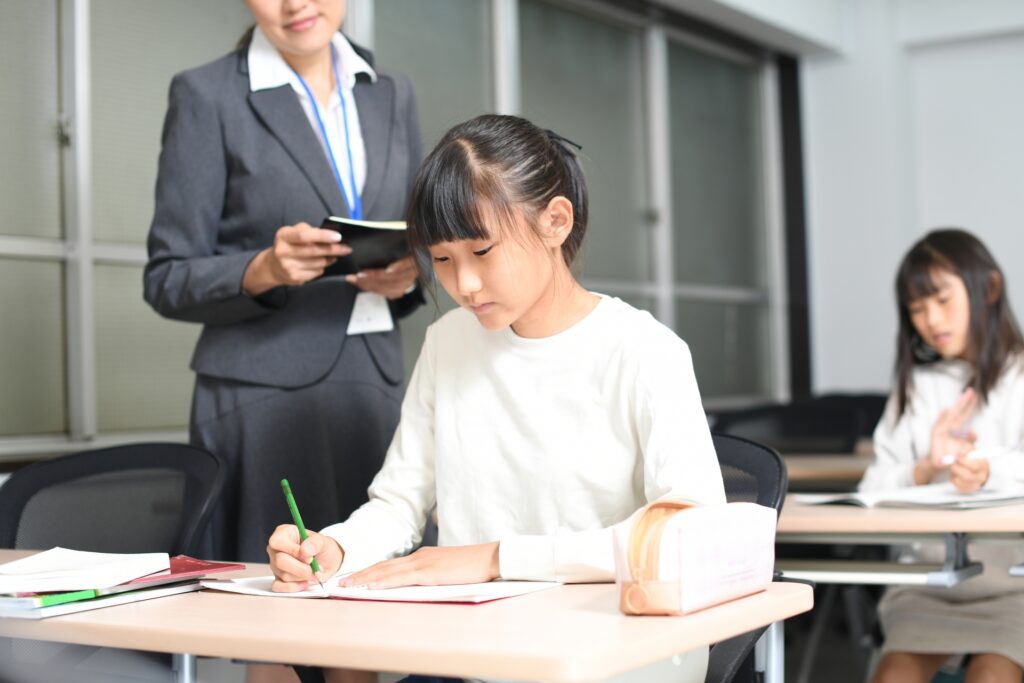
{"x": 984, "y": 614}
{"x": 328, "y": 439}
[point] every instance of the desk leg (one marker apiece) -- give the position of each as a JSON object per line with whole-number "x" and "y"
{"x": 184, "y": 666}
{"x": 769, "y": 654}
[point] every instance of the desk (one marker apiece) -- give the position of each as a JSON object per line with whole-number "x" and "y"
{"x": 567, "y": 634}
{"x": 834, "y": 471}
{"x": 847, "y": 524}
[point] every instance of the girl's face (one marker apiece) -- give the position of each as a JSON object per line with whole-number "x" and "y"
{"x": 943, "y": 319}
{"x": 510, "y": 278}
{"x": 299, "y": 28}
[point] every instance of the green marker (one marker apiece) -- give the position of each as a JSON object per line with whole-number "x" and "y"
{"x": 297, "y": 518}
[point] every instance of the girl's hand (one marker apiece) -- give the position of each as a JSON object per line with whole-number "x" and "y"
{"x": 969, "y": 475}
{"x": 299, "y": 254}
{"x": 432, "y": 567}
{"x": 289, "y": 560}
{"x": 392, "y": 282}
{"x": 949, "y": 439}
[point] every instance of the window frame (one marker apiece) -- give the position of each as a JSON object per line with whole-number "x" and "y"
{"x": 79, "y": 253}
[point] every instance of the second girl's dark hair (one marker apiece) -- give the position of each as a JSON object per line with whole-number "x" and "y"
{"x": 993, "y": 337}
{"x": 493, "y": 166}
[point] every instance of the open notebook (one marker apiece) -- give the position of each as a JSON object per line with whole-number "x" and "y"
{"x": 941, "y": 496}
{"x": 466, "y": 593}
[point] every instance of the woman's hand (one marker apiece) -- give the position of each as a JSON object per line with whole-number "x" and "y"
{"x": 299, "y": 254}
{"x": 393, "y": 282}
{"x": 968, "y": 474}
{"x": 290, "y": 558}
{"x": 432, "y": 567}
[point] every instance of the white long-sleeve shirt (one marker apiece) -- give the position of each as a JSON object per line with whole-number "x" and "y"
{"x": 998, "y": 422}
{"x": 900, "y": 443}
{"x": 540, "y": 444}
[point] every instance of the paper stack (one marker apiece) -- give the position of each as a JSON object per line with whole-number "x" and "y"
{"x": 61, "y": 581}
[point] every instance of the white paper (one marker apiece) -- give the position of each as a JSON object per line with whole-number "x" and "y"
{"x": 466, "y": 593}
{"x": 380, "y": 225}
{"x": 941, "y": 495}
{"x": 60, "y": 569}
{"x": 370, "y": 313}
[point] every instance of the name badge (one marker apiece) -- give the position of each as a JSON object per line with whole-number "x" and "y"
{"x": 370, "y": 313}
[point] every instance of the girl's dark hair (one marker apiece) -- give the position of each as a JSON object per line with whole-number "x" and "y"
{"x": 493, "y": 166}
{"x": 993, "y": 336}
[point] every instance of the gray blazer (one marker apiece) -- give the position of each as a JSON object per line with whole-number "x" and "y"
{"x": 234, "y": 167}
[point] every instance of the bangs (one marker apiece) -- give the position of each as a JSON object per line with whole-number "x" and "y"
{"x": 916, "y": 278}
{"x": 448, "y": 200}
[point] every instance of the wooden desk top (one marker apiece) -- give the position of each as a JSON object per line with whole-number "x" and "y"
{"x": 571, "y": 633}
{"x": 840, "y": 468}
{"x": 850, "y": 519}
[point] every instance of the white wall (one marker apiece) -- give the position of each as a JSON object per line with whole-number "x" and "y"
{"x": 915, "y": 124}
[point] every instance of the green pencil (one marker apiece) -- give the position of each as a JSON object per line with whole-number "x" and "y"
{"x": 297, "y": 518}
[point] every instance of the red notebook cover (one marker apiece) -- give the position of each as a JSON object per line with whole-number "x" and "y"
{"x": 182, "y": 567}
{"x": 185, "y": 567}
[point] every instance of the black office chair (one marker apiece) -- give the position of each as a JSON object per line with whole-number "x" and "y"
{"x": 868, "y": 407}
{"x": 752, "y": 473}
{"x": 798, "y": 427}
{"x": 147, "y": 497}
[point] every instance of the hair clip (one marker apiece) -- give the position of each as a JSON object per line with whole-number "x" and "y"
{"x": 555, "y": 136}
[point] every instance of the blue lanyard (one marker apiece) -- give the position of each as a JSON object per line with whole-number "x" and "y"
{"x": 355, "y": 205}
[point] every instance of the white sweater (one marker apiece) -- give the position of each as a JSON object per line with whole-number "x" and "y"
{"x": 541, "y": 444}
{"x": 999, "y": 423}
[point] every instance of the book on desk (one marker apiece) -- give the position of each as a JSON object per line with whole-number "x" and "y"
{"x": 469, "y": 593}
{"x": 61, "y": 581}
{"x": 942, "y": 496}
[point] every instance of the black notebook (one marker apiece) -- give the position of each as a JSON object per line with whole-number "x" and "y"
{"x": 374, "y": 244}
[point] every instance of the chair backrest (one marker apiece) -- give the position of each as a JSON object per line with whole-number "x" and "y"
{"x": 867, "y": 406}
{"x": 751, "y": 473}
{"x": 799, "y": 427}
{"x": 147, "y": 497}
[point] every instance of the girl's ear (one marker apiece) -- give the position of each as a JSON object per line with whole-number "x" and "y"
{"x": 995, "y": 288}
{"x": 556, "y": 221}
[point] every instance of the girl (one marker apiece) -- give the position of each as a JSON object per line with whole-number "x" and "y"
{"x": 539, "y": 413}
{"x": 959, "y": 395}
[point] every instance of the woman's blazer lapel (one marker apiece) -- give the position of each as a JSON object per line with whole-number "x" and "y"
{"x": 280, "y": 111}
{"x": 375, "y": 102}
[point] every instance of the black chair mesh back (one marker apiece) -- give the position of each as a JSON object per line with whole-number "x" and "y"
{"x": 801, "y": 427}
{"x": 751, "y": 473}
{"x": 134, "y": 498}
{"x": 868, "y": 407}
{"x": 128, "y": 512}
